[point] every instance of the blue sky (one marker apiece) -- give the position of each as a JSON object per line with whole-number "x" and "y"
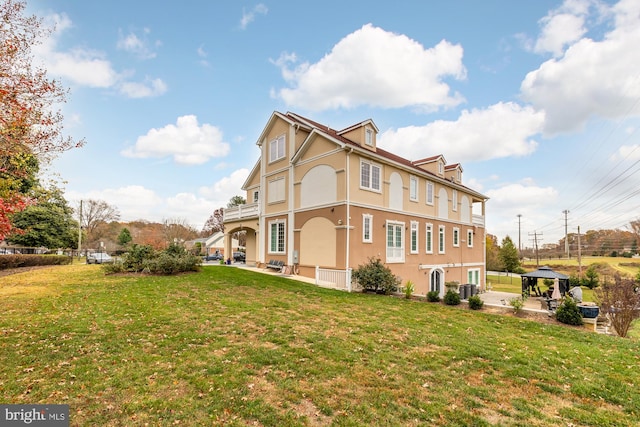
{"x": 539, "y": 101}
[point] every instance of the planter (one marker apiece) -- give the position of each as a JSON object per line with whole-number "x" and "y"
{"x": 589, "y": 311}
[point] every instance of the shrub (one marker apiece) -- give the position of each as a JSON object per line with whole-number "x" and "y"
{"x": 452, "y": 298}
{"x": 375, "y": 276}
{"x": 517, "y": 303}
{"x": 409, "y": 287}
{"x": 568, "y": 312}
{"x": 620, "y": 301}
{"x": 433, "y": 296}
{"x": 475, "y": 303}
{"x": 143, "y": 258}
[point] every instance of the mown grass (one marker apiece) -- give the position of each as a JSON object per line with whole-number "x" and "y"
{"x": 227, "y": 346}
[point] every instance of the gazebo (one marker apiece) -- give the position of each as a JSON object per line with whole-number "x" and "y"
{"x": 530, "y": 281}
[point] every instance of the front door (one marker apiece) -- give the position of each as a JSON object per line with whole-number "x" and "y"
{"x": 436, "y": 281}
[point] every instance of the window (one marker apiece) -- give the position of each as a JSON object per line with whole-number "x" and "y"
{"x": 276, "y": 190}
{"x": 413, "y": 188}
{"x": 276, "y": 237}
{"x": 469, "y": 238}
{"x": 454, "y": 200}
{"x": 368, "y": 137}
{"x": 414, "y": 237}
{"x": 369, "y": 176}
{"x": 367, "y": 224}
{"x": 473, "y": 276}
{"x": 458, "y": 175}
{"x": 456, "y": 237}
{"x": 429, "y": 238}
{"x": 395, "y": 242}
{"x": 256, "y": 196}
{"x": 276, "y": 149}
{"x": 441, "y": 244}
{"x": 440, "y": 168}
{"x": 429, "y": 193}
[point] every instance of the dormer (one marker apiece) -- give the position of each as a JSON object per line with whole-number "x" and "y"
{"x": 364, "y": 134}
{"x": 435, "y": 165}
{"x": 454, "y": 173}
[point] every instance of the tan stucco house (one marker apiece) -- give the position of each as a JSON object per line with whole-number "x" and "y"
{"x": 321, "y": 199}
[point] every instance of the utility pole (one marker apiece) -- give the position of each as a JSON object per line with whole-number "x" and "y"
{"x": 579, "y": 256}
{"x": 80, "y": 232}
{"x": 535, "y": 240}
{"x": 566, "y": 235}
{"x": 519, "y": 245}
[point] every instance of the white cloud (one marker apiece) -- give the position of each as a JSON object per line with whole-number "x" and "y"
{"x": 148, "y": 88}
{"x": 250, "y": 16}
{"x": 138, "y": 46}
{"x": 628, "y": 152}
{"x": 562, "y": 27}
{"x": 186, "y": 141}
{"x": 88, "y": 67}
{"x": 537, "y": 205}
{"x": 592, "y": 78}
{"x": 502, "y": 130}
{"x": 224, "y": 189}
{"x": 375, "y": 67}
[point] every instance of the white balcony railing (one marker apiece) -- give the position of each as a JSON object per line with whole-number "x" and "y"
{"x": 478, "y": 220}
{"x": 249, "y": 210}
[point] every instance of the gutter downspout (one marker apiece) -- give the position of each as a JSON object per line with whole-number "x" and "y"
{"x": 347, "y": 252}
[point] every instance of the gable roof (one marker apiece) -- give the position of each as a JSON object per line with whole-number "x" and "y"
{"x": 314, "y": 128}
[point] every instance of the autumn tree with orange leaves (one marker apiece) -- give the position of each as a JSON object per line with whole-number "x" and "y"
{"x": 30, "y": 121}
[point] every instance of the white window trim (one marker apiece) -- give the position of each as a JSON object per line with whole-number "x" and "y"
{"x": 469, "y": 238}
{"x": 368, "y": 137}
{"x": 442, "y": 244}
{"x": 440, "y": 167}
{"x": 456, "y": 237}
{"x": 429, "y": 201}
{"x": 414, "y": 232}
{"x": 370, "y": 186}
{"x": 279, "y": 156}
{"x": 454, "y": 200}
{"x": 470, "y": 275}
{"x": 284, "y": 243}
{"x": 429, "y": 238}
{"x": 367, "y": 218}
{"x": 273, "y": 197}
{"x": 413, "y": 188}
{"x": 256, "y": 196}
{"x": 397, "y": 255}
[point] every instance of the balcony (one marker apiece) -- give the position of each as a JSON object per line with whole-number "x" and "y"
{"x": 249, "y": 210}
{"x": 476, "y": 220}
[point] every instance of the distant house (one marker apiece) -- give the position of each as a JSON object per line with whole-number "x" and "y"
{"x": 213, "y": 244}
{"x": 320, "y": 198}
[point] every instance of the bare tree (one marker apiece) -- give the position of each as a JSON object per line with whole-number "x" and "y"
{"x": 214, "y": 223}
{"x": 94, "y": 213}
{"x": 620, "y": 300}
{"x": 177, "y": 230}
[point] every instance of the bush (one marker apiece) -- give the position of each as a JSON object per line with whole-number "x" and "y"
{"x": 143, "y": 258}
{"x": 452, "y": 298}
{"x": 19, "y": 260}
{"x": 409, "y": 287}
{"x": 375, "y": 276}
{"x": 475, "y": 303}
{"x": 433, "y": 296}
{"x": 568, "y": 312}
{"x": 517, "y": 303}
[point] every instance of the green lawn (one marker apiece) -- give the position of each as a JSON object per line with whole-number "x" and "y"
{"x": 232, "y": 347}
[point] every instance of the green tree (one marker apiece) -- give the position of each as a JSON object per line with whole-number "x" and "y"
{"x": 590, "y": 277}
{"x": 492, "y": 252}
{"x": 46, "y": 223}
{"x": 124, "y": 238}
{"x": 508, "y": 255}
{"x": 236, "y": 201}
